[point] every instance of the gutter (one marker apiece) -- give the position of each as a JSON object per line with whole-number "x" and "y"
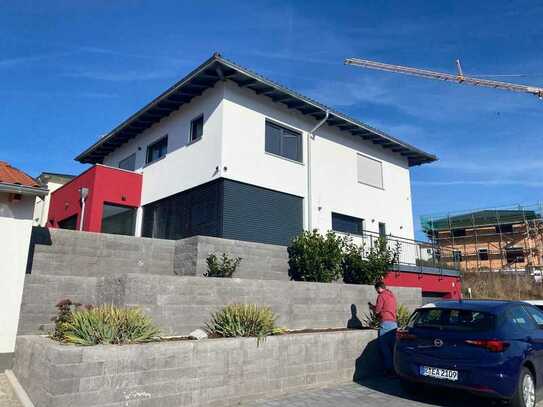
{"x": 311, "y": 136}
{"x": 23, "y": 190}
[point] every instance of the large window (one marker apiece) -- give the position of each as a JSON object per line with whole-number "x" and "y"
{"x": 118, "y": 220}
{"x": 382, "y": 229}
{"x": 283, "y": 142}
{"x": 157, "y": 150}
{"x": 514, "y": 254}
{"x": 129, "y": 163}
{"x": 370, "y": 171}
{"x": 197, "y": 128}
{"x": 483, "y": 254}
{"x": 68, "y": 223}
{"x": 347, "y": 224}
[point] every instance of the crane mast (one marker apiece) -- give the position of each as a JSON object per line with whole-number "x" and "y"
{"x": 458, "y": 78}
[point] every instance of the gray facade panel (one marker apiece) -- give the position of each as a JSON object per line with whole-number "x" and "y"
{"x": 255, "y": 214}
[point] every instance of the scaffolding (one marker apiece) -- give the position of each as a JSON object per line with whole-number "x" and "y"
{"x": 508, "y": 239}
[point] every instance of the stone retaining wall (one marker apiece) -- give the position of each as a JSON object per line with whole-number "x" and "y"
{"x": 86, "y": 254}
{"x": 75, "y": 253}
{"x": 215, "y": 372}
{"x": 180, "y": 304}
{"x": 258, "y": 260}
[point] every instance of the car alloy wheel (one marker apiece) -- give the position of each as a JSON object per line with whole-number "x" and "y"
{"x": 528, "y": 390}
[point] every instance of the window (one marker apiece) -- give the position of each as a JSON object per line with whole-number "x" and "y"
{"x": 283, "y": 142}
{"x": 458, "y": 232}
{"x": 514, "y": 254}
{"x": 68, "y": 223}
{"x": 518, "y": 319}
{"x": 504, "y": 228}
{"x": 347, "y": 224}
{"x": 457, "y": 256}
{"x": 536, "y": 314}
{"x": 382, "y": 229}
{"x": 129, "y": 163}
{"x": 197, "y": 128}
{"x": 483, "y": 254}
{"x": 452, "y": 319}
{"x": 157, "y": 150}
{"x": 118, "y": 220}
{"x": 370, "y": 171}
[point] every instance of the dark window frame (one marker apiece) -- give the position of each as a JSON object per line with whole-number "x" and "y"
{"x": 132, "y": 211}
{"x": 148, "y": 158}
{"x": 133, "y": 155}
{"x": 285, "y": 131}
{"x": 192, "y": 128}
{"x": 383, "y": 232}
{"x": 457, "y": 256}
{"x": 343, "y": 217}
{"x": 483, "y": 254}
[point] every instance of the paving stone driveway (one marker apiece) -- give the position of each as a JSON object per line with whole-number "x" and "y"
{"x": 376, "y": 393}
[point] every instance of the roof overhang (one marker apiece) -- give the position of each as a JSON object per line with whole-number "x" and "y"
{"x": 23, "y": 189}
{"x": 217, "y": 69}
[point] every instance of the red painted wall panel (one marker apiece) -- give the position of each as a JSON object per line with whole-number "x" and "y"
{"x": 106, "y": 185}
{"x": 450, "y": 286}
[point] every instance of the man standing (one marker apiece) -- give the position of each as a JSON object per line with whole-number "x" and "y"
{"x": 385, "y": 308}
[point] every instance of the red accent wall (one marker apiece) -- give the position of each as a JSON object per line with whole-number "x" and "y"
{"x": 106, "y": 185}
{"x": 449, "y": 286}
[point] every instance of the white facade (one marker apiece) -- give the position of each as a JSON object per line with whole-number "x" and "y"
{"x": 233, "y": 147}
{"x": 41, "y": 206}
{"x": 15, "y": 229}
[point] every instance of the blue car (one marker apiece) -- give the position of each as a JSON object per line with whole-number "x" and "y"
{"x": 492, "y": 348}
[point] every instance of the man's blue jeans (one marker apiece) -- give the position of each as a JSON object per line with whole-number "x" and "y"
{"x": 387, "y": 338}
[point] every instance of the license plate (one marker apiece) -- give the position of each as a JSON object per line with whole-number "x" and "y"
{"x": 438, "y": 373}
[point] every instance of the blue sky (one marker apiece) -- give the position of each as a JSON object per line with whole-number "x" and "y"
{"x": 72, "y": 70}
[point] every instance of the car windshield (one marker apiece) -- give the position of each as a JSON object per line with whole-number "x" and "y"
{"x": 452, "y": 319}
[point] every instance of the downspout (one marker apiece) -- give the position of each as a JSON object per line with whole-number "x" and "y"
{"x": 310, "y": 137}
{"x": 84, "y": 192}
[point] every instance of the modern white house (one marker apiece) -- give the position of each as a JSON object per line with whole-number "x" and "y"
{"x": 226, "y": 152}
{"x": 18, "y": 192}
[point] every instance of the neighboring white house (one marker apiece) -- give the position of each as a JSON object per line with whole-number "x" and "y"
{"x": 18, "y": 192}
{"x": 227, "y": 152}
{"x": 51, "y": 181}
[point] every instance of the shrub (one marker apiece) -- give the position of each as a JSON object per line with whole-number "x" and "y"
{"x": 64, "y": 313}
{"x": 361, "y": 266}
{"x": 402, "y": 316}
{"x": 243, "y": 320}
{"x": 314, "y": 257}
{"x": 371, "y": 320}
{"x": 107, "y": 324}
{"x": 223, "y": 267}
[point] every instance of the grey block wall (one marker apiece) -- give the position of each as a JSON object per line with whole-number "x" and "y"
{"x": 179, "y": 304}
{"x": 215, "y": 372}
{"x": 74, "y": 253}
{"x": 258, "y": 260}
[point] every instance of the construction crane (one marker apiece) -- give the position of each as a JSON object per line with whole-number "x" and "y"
{"x": 458, "y": 78}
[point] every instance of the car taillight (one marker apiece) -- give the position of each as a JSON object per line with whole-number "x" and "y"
{"x": 404, "y": 335}
{"x": 493, "y": 345}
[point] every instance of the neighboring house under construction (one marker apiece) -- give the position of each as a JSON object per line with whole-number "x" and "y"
{"x": 488, "y": 240}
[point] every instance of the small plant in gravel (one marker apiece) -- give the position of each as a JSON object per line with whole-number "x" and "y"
{"x": 243, "y": 320}
{"x": 224, "y": 266}
{"x": 106, "y": 324}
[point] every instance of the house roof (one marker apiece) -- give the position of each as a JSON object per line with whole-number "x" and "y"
{"x": 480, "y": 218}
{"x": 218, "y": 68}
{"x": 45, "y": 177}
{"x": 12, "y": 175}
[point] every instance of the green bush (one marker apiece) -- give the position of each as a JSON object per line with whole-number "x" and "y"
{"x": 402, "y": 316}
{"x": 371, "y": 319}
{"x": 243, "y": 320}
{"x": 107, "y": 324}
{"x": 223, "y": 267}
{"x": 314, "y": 257}
{"x": 361, "y": 266}
{"x": 64, "y": 313}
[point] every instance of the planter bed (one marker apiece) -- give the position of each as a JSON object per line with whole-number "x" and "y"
{"x": 217, "y": 372}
